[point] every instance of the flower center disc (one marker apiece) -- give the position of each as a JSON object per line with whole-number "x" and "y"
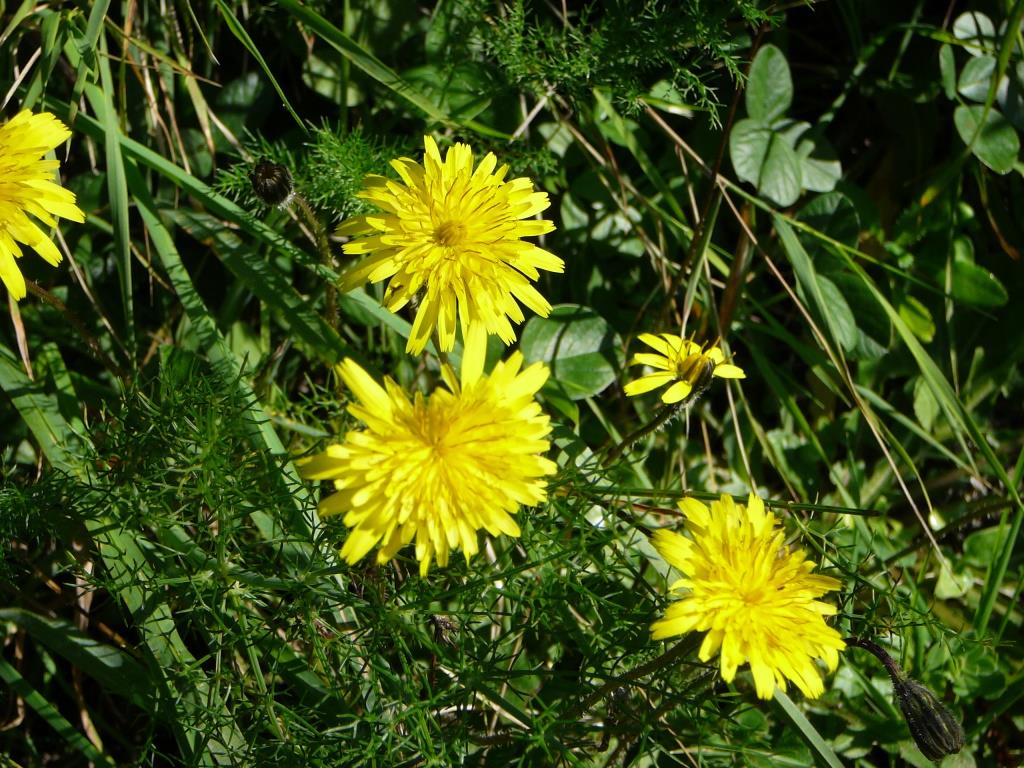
{"x": 450, "y": 234}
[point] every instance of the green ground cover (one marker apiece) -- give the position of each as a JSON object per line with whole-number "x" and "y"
{"x": 824, "y": 199}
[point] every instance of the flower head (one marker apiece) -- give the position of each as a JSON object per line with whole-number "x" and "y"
{"x": 753, "y": 595}
{"x": 27, "y": 187}
{"x": 454, "y": 231}
{"x": 686, "y": 365}
{"x": 438, "y": 469}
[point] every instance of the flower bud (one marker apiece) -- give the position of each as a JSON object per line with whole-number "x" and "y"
{"x": 935, "y": 729}
{"x": 272, "y": 183}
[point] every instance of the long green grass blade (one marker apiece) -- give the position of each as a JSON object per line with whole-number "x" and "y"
{"x": 111, "y": 667}
{"x": 961, "y": 420}
{"x": 39, "y": 410}
{"x": 243, "y": 37}
{"x": 823, "y": 753}
{"x": 117, "y": 190}
{"x": 362, "y": 58}
{"x": 46, "y": 710}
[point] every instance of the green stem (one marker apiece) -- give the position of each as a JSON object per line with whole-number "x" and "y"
{"x": 666, "y": 413}
{"x": 323, "y": 247}
{"x": 894, "y": 670}
{"x": 684, "y": 647}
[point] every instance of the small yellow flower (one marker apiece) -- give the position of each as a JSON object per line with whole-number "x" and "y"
{"x": 454, "y": 232}
{"x": 27, "y": 187}
{"x": 753, "y": 595}
{"x": 685, "y": 364}
{"x": 437, "y": 470}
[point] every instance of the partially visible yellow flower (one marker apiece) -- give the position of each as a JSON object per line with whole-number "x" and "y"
{"x": 438, "y": 469}
{"x": 686, "y": 365}
{"x": 27, "y": 187}
{"x": 753, "y": 595}
{"x": 455, "y": 233}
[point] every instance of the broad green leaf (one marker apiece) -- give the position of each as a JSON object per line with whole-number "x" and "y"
{"x": 833, "y": 214}
{"x": 839, "y": 315}
{"x": 874, "y": 328}
{"x": 926, "y": 407}
{"x": 819, "y": 163}
{"x": 975, "y": 285}
{"x": 748, "y": 145}
{"x": 821, "y": 293}
{"x": 977, "y": 32}
{"x": 950, "y": 585}
{"x": 990, "y": 136}
{"x": 976, "y": 77}
{"x": 790, "y": 130}
{"x": 769, "y": 86}
{"x": 765, "y": 159}
{"x": 558, "y": 397}
{"x": 979, "y": 546}
{"x": 1010, "y": 96}
{"x": 581, "y": 349}
{"x": 947, "y": 71}
{"x": 463, "y": 89}
{"x": 781, "y": 174}
{"x": 918, "y": 318}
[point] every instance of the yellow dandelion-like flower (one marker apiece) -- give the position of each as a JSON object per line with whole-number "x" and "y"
{"x": 27, "y": 187}
{"x": 438, "y": 469}
{"x": 454, "y": 231}
{"x": 753, "y": 595}
{"x": 683, "y": 363}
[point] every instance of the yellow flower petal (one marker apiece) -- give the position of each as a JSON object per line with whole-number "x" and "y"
{"x": 726, "y": 371}
{"x": 755, "y": 598}
{"x": 27, "y": 189}
{"x": 436, "y": 470}
{"x": 647, "y": 383}
{"x": 677, "y": 392}
{"x": 456, "y": 231}
{"x": 682, "y": 361}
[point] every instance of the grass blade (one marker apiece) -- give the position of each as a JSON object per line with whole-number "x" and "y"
{"x": 20, "y": 686}
{"x": 362, "y": 58}
{"x": 823, "y": 753}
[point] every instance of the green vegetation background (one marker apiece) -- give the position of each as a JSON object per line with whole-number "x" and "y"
{"x": 846, "y": 215}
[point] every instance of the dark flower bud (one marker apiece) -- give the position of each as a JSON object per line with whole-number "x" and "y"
{"x": 272, "y": 183}
{"x": 935, "y": 729}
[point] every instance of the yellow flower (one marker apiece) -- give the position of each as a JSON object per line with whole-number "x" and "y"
{"x": 27, "y": 187}
{"x": 753, "y": 595}
{"x": 438, "y": 469}
{"x": 689, "y": 365}
{"x": 455, "y": 232}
